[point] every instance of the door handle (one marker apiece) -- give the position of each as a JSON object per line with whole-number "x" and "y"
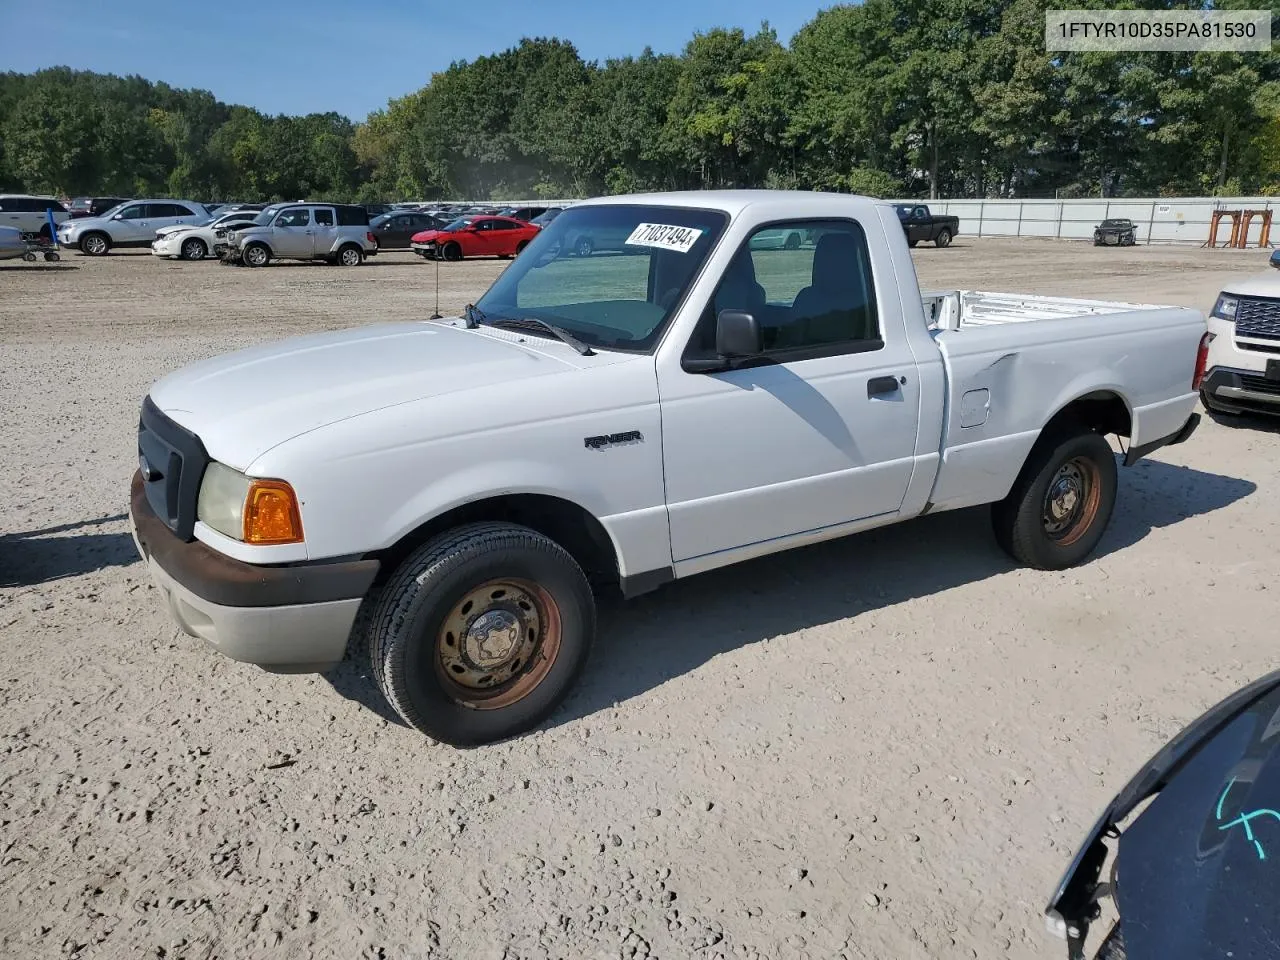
{"x": 879, "y": 385}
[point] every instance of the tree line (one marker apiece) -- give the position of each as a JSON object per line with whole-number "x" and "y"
{"x": 893, "y": 98}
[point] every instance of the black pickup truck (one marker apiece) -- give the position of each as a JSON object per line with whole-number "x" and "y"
{"x": 920, "y": 224}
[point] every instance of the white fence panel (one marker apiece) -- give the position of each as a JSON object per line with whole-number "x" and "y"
{"x": 1183, "y": 220}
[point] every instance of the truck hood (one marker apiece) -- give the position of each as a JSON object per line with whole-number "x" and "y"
{"x": 242, "y": 404}
{"x": 1266, "y": 284}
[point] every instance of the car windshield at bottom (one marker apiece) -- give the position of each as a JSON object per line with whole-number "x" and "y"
{"x": 610, "y": 274}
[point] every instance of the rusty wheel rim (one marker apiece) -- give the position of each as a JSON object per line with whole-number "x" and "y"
{"x": 498, "y": 643}
{"x": 1071, "y": 501}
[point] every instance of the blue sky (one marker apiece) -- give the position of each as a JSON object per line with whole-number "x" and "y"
{"x": 287, "y": 56}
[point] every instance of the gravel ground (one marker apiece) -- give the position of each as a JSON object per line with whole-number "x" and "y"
{"x": 887, "y": 746}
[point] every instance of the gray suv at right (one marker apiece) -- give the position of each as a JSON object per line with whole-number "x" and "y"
{"x": 131, "y": 224}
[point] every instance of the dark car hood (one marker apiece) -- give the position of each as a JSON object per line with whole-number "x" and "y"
{"x": 1198, "y": 870}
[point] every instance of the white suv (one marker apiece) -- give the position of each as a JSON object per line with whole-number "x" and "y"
{"x": 1238, "y": 370}
{"x": 28, "y": 213}
{"x": 132, "y": 224}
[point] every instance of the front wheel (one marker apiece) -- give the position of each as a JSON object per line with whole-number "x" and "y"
{"x": 256, "y": 255}
{"x": 481, "y": 633}
{"x": 194, "y": 249}
{"x": 95, "y": 244}
{"x": 1060, "y": 504}
{"x": 944, "y": 239}
{"x": 452, "y": 251}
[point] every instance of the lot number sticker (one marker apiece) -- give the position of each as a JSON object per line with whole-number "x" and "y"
{"x": 664, "y": 235}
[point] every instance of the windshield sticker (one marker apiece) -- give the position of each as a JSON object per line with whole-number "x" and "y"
{"x": 665, "y": 235}
{"x": 1243, "y": 820}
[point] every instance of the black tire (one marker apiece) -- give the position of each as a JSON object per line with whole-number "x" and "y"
{"x": 452, "y": 251}
{"x": 350, "y": 256}
{"x": 45, "y": 234}
{"x": 520, "y": 247}
{"x": 583, "y": 246}
{"x": 193, "y": 248}
{"x": 409, "y": 641}
{"x": 95, "y": 244}
{"x": 944, "y": 239}
{"x": 1026, "y": 521}
{"x": 912, "y": 243}
{"x": 255, "y": 255}
{"x": 792, "y": 242}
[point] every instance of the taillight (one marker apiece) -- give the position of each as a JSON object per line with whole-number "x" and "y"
{"x": 370, "y": 237}
{"x": 1202, "y": 361}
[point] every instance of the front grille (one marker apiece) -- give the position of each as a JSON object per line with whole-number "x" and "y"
{"x": 175, "y": 459}
{"x": 1260, "y": 384}
{"x": 1258, "y": 317}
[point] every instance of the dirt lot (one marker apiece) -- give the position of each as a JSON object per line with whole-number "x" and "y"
{"x": 883, "y": 747}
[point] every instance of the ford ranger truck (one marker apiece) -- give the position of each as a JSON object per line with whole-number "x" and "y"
{"x": 442, "y": 497}
{"x": 1241, "y": 373}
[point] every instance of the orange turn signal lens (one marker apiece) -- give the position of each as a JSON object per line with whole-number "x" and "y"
{"x": 271, "y": 513}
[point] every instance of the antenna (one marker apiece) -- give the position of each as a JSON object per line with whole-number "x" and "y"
{"x": 436, "y": 315}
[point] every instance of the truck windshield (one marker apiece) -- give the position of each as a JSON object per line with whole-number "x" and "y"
{"x": 611, "y": 275}
{"x": 266, "y": 216}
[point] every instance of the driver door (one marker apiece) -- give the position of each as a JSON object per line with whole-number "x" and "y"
{"x": 131, "y": 225}
{"x": 484, "y": 242}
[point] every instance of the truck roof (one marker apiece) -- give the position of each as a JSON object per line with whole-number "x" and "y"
{"x": 733, "y": 202}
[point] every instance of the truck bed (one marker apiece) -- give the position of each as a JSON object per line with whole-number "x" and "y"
{"x": 961, "y": 309}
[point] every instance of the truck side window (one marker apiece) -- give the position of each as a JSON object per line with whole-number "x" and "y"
{"x": 809, "y": 285}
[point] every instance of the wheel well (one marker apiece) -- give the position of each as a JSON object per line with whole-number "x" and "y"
{"x": 562, "y": 521}
{"x": 1101, "y": 411}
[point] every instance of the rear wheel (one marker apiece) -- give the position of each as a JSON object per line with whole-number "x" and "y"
{"x": 481, "y": 633}
{"x": 193, "y": 248}
{"x": 944, "y": 239}
{"x": 351, "y": 256}
{"x": 1061, "y": 502}
{"x": 520, "y": 247}
{"x": 256, "y": 255}
{"x": 95, "y": 244}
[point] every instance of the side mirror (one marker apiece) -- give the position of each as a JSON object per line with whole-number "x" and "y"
{"x": 118, "y": 216}
{"x": 738, "y": 335}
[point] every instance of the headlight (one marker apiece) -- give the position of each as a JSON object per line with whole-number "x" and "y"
{"x": 1225, "y": 308}
{"x": 248, "y": 509}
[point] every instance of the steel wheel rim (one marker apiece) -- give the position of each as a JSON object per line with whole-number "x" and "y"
{"x": 1071, "y": 500}
{"x": 498, "y": 643}
{"x": 256, "y": 256}
{"x": 350, "y": 258}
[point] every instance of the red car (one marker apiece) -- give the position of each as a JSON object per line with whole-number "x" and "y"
{"x": 475, "y": 237}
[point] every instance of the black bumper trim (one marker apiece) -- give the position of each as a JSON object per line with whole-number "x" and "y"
{"x": 1186, "y": 430}
{"x": 1243, "y": 393}
{"x": 215, "y": 577}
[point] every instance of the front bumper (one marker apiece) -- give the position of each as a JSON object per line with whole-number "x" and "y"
{"x": 1252, "y": 390}
{"x": 425, "y": 250}
{"x": 166, "y": 248}
{"x": 286, "y": 619}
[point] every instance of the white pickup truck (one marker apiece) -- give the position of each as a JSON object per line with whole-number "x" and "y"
{"x": 627, "y": 418}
